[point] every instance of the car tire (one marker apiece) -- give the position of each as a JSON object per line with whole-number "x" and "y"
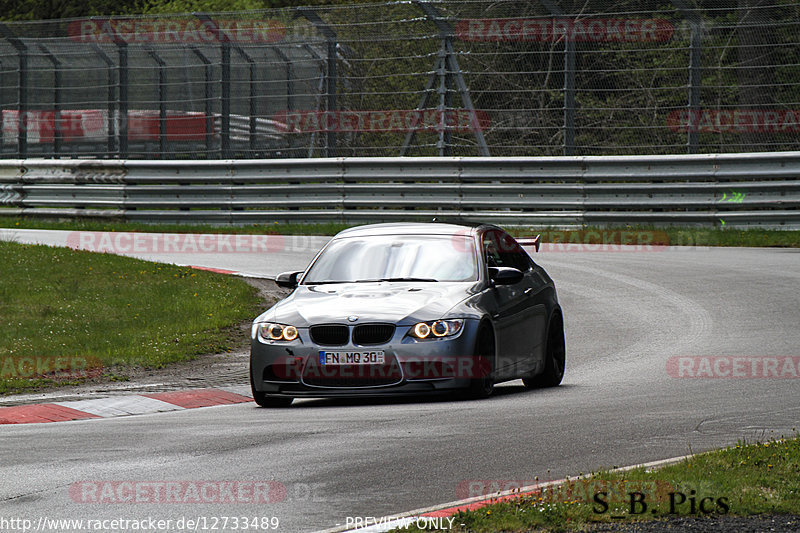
{"x": 265, "y": 400}
{"x": 484, "y": 356}
{"x": 555, "y": 357}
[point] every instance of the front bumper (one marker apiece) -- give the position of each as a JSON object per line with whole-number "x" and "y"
{"x": 412, "y": 367}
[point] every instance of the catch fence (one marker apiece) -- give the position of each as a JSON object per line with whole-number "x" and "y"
{"x": 408, "y": 78}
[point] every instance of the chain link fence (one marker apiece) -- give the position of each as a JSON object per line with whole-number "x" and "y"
{"x": 411, "y": 78}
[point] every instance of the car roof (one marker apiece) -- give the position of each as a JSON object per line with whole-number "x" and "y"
{"x": 412, "y": 228}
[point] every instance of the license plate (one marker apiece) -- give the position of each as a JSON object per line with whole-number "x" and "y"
{"x": 352, "y": 358}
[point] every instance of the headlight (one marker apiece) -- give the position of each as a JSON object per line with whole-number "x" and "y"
{"x": 269, "y": 331}
{"x": 437, "y": 329}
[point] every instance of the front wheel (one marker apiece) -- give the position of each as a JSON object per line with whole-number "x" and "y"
{"x": 482, "y": 383}
{"x": 555, "y": 357}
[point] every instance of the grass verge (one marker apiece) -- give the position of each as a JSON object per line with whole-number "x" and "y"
{"x": 659, "y": 235}
{"x": 66, "y": 315}
{"x": 746, "y": 479}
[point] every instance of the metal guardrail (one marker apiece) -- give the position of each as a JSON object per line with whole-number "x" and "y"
{"x": 735, "y": 190}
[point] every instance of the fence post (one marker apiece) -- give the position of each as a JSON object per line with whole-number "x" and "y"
{"x": 122, "y": 128}
{"x": 569, "y": 83}
{"x": 162, "y": 101}
{"x": 112, "y": 124}
{"x": 569, "y": 98}
{"x": 1, "y": 112}
{"x": 320, "y": 88}
{"x": 448, "y": 62}
{"x": 445, "y": 102}
{"x": 207, "y": 98}
{"x": 226, "y": 87}
{"x": 225, "y": 83}
{"x": 252, "y": 100}
{"x": 289, "y": 90}
{"x": 331, "y": 73}
{"x": 22, "y": 89}
{"x": 695, "y": 73}
{"x": 122, "y": 91}
{"x": 225, "y": 125}
{"x": 56, "y": 98}
{"x": 289, "y": 78}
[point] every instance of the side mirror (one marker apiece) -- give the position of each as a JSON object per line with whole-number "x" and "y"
{"x": 505, "y": 275}
{"x": 287, "y": 280}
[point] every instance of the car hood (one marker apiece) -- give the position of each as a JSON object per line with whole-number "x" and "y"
{"x": 395, "y": 302}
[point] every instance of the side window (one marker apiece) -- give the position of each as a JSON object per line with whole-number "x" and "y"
{"x": 490, "y": 251}
{"x": 512, "y": 253}
{"x": 502, "y": 250}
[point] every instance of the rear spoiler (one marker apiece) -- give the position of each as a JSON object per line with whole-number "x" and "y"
{"x": 535, "y": 242}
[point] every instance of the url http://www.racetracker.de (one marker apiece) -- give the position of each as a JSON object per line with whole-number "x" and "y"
{"x": 144, "y": 524}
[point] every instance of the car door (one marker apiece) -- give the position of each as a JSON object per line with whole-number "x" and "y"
{"x": 538, "y": 293}
{"x": 516, "y": 314}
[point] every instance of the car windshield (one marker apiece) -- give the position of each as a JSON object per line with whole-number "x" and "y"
{"x": 395, "y": 258}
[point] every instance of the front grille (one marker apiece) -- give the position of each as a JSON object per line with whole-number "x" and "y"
{"x": 351, "y": 376}
{"x": 329, "y": 334}
{"x": 371, "y": 334}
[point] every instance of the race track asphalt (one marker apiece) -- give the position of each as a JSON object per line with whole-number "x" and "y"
{"x": 627, "y": 313}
